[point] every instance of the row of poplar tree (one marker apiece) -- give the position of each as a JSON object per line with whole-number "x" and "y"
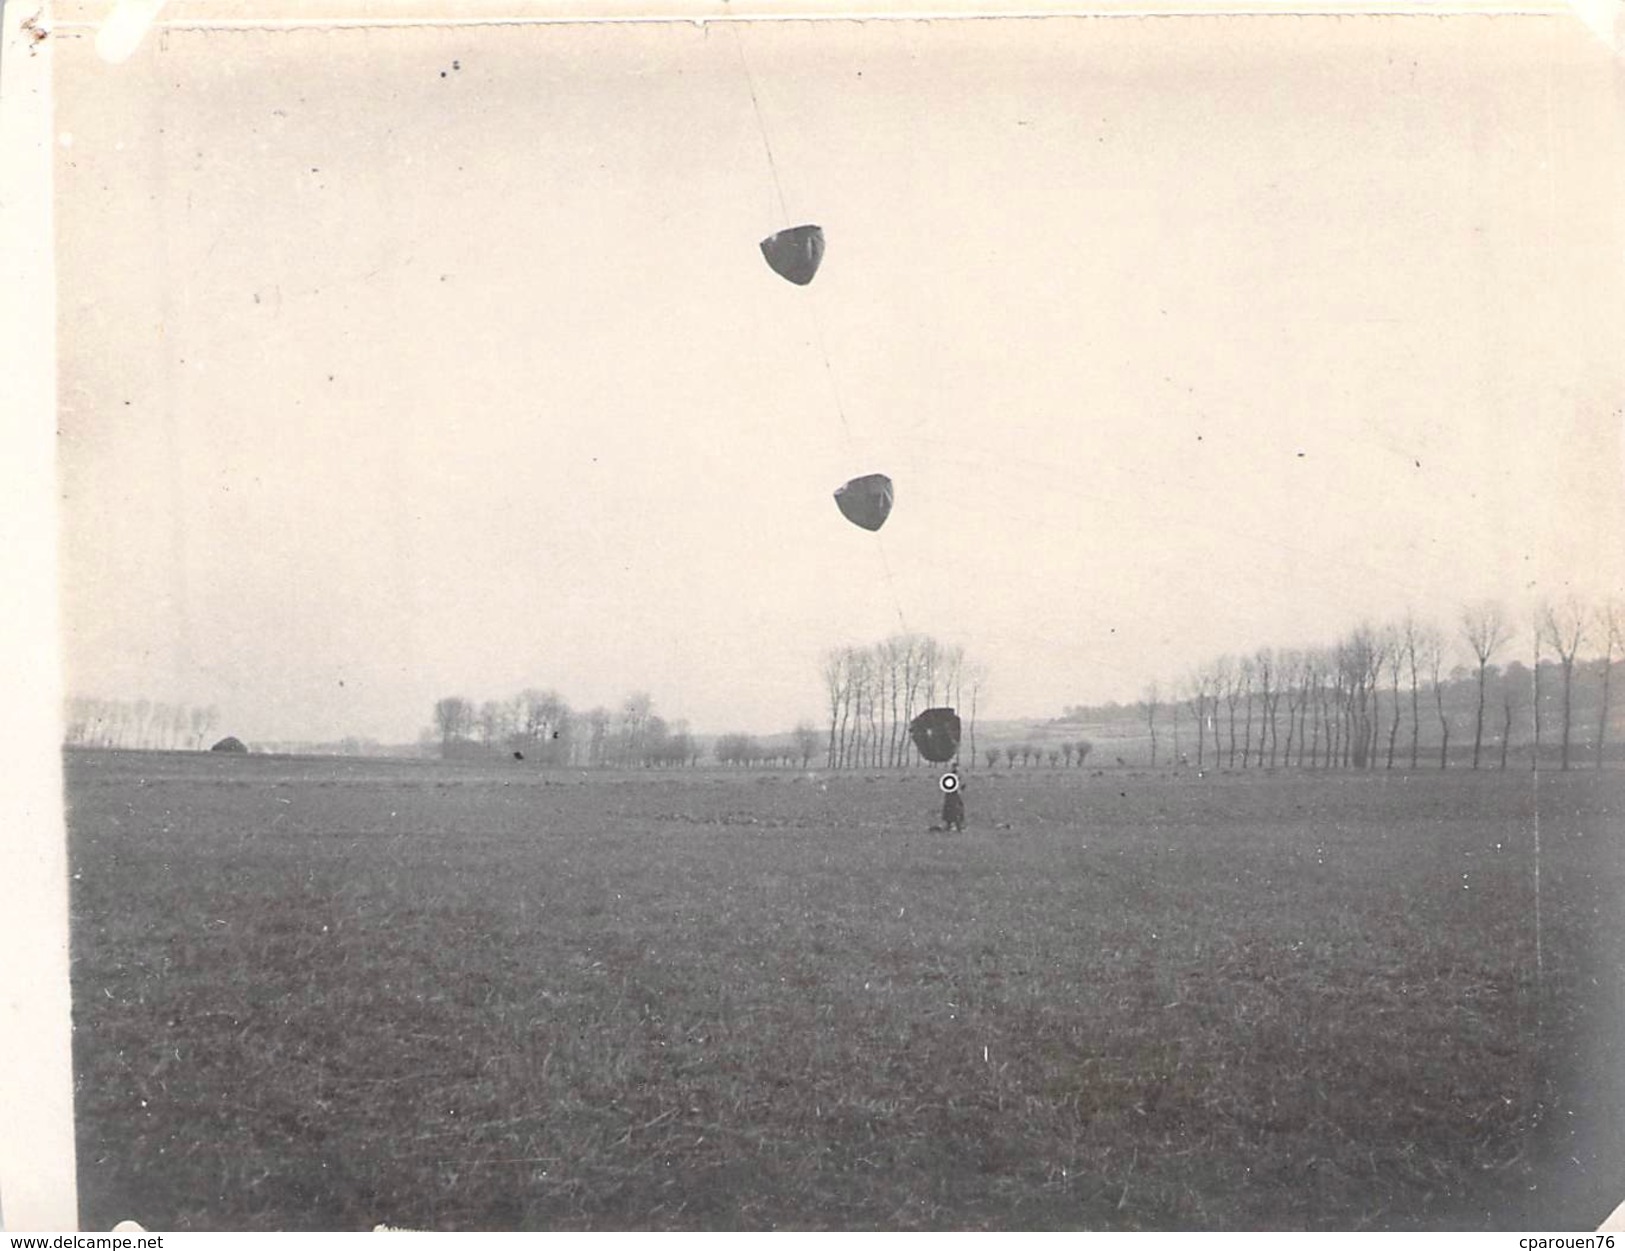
{"x": 137, "y": 723}
{"x": 1406, "y": 691}
{"x": 873, "y": 693}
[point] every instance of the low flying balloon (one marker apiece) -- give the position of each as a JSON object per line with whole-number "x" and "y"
{"x": 795, "y": 254}
{"x": 936, "y": 733}
{"x": 866, "y": 501}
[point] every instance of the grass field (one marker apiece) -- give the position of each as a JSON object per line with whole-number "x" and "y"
{"x": 326, "y": 994}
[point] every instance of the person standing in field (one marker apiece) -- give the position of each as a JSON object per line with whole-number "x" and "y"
{"x": 953, "y": 811}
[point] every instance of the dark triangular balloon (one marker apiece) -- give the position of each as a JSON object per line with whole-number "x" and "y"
{"x": 866, "y": 501}
{"x": 794, "y": 254}
{"x": 936, "y": 733}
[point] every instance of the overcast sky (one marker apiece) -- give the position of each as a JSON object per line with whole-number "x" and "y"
{"x": 406, "y": 363}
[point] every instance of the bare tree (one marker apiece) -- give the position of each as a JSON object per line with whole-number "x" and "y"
{"x": 1314, "y": 698}
{"x": 915, "y": 661}
{"x": 860, "y": 671}
{"x": 489, "y": 722}
{"x": 1153, "y": 695}
{"x": 636, "y": 711}
{"x": 873, "y": 695}
{"x": 1280, "y": 663}
{"x": 1229, "y": 685}
{"x": 1508, "y": 702}
{"x": 1611, "y": 625}
{"x": 880, "y": 706}
{"x": 1291, "y": 681}
{"x": 175, "y": 727}
{"x": 597, "y": 720}
{"x": 1566, "y": 629}
{"x": 890, "y": 661}
{"x": 1196, "y": 687}
{"x": 976, "y": 675}
{"x": 1337, "y": 707}
{"x": 1537, "y": 630}
{"x": 1371, "y": 680}
{"x": 1430, "y": 655}
{"x": 806, "y": 740}
{"x": 681, "y": 748}
{"x": 528, "y": 716}
{"x": 852, "y": 709}
{"x": 1393, "y": 652}
{"x": 203, "y": 720}
{"x": 1264, "y": 667}
{"x": 454, "y": 718}
{"x": 1246, "y": 675}
{"x": 930, "y": 653}
{"x": 142, "y": 708}
{"x": 172, "y": 724}
{"x": 953, "y": 675}
{"x": 834, "y": 675}
{"x": 1484, "y": 627}
{"x": 654, "y": 746}
{"x": 1410, "y": 632}
{"x": 736, "y": 749}
{"x": 537, "y": 720}
{"x": 1358, "y": 664}
{"x": 869, "y": 700}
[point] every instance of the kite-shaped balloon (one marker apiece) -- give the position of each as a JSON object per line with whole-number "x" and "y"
{"x": 794, "y": 254}
{"x": 866, "y": 501}
{"x": 936, "y": 733}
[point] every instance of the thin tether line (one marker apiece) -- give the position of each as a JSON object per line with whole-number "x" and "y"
{"x": 829, "y": 370}
{"x": 761, "y": 122}
{"x": 817, "y": 318}
{"x": 896, "y": 601}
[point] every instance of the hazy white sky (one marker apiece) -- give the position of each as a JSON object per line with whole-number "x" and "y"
{"x": 405, "y": 363}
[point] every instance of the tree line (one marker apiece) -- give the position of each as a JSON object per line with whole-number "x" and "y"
{"x": 1387, "y": 692}
{"x": 137, "y": 723}
{"x": 1067, "y": 754}
{"x": 540, "y": 726}
{"x": 874, "y": 692}
{"x": 749, "y": 751}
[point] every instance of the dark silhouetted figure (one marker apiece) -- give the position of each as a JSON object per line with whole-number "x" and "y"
{"x": 953, "y": 811}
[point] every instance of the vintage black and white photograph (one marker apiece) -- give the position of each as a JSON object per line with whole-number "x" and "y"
{"x": 710, "y": 620}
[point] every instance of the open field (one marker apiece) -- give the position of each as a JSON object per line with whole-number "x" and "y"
{"x": 329, "y": 993}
